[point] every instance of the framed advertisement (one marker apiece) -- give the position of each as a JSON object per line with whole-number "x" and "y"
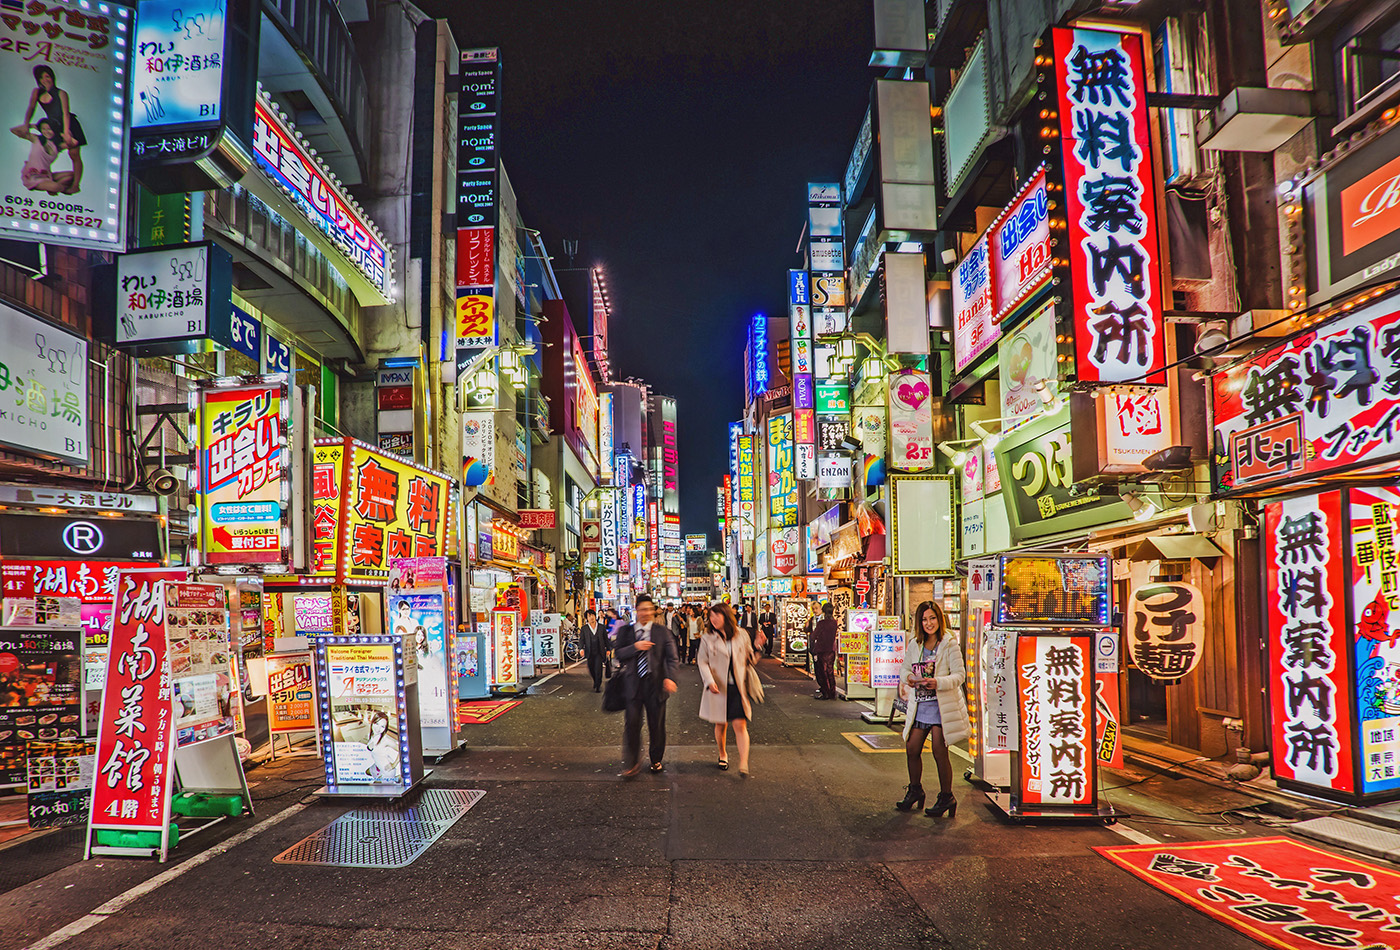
{"x": 1057, "y": 764}
{"x": 291, "y": 705}
{"x": 1054, "y": 590}
{"x": 921, "y": 525}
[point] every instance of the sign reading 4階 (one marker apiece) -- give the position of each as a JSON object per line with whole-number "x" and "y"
{"x": 243, "y": 474}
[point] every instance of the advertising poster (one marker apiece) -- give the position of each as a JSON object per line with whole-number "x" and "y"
{"x": 547, "y": 642}
{"x": 406, "y": 572}
{"x": 136, "y": 734}
{"x": 418, "y": 616}
{"x": 886, "y": 656}
{"x": 1375, "y": 596}
{"x": 1055, "y": 678}
{"x": 40, "y": 697}
{"x": 92, "y": 584}
{"x": 44, "y": 377}
{"x": 243, "y": 474}
{"x": 1025, "y": 359}
{"x": 506, "y": 650}
{"x": 291, "y": 705}
{"x": 1308, "y": 644}
{"x": 64, "y": 62}
{"x": 911, "y": 421}
{"x": 364, "y": 713}
{"x": 858, "y": 669}
{"x": 202, "y": 667}
{"x": 526, "y": 651}
{"x": 60, "y": 781}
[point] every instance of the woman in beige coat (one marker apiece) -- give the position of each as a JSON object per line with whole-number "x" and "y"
{"x": 726, "y": 659}
{"x": 932, "y": 680}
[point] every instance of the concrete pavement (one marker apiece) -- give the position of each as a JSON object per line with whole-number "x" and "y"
{"x": 562, "y": 854}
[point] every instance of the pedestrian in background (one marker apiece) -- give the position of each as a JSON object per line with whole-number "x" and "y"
{"x": 696, "y": 628}
{"x": 726, "y": 662}
{"x": 647, "y": 652}
{"x": 595, "y": 647}
{"x": 823, "y": 649}
{"x": 932, "y": 679}
{"x": 768, "y": 624}
{"x": 680, "y": 629}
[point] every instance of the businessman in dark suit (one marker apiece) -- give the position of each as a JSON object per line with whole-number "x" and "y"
{"x": 595, "y": 647}
{"x": 647, "y": 651}
{"x": 768, "y": 624}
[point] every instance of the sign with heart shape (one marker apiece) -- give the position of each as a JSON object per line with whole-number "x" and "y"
{"x": 911, "y": 421}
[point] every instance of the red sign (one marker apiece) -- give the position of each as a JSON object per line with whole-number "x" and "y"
{"x": 476, "y": 257}
{"x": 537, "y": 518}
{"x": 136, "y": 735}
{"x": 1323, "y": 401}
{"x": 395, "y": 397}
{"x": 1308, "y": 657}
{"x": 1110, "y": 206}
{"x": 1368, "y": 207}
{"x": 1283, "y": 893}
{"x": 1055, "y": 682}
{"x": 592, "y": 537}
{"x": 92, "y": 582}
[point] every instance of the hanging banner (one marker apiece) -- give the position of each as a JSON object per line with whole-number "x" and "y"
{"x": 1305, "y": 606}
{"x": 1110, "y": 206}
{"x": 244, "y": 475}
{"x": 1374, "y": 516}
{"x": 1055, "y": 680}
{"x": 291, "y": 705}
{"x": 1167, "y": 628}
{"x": 1025, "y": 361}
{"x": 911, "y": 421}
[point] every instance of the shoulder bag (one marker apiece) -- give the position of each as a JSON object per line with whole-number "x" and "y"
{"x": 613, "y": 698}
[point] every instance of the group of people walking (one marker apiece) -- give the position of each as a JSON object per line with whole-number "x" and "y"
{"x": 648, "y": 651}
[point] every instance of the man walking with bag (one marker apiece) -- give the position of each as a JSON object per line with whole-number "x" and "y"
{"x": 647, "y": 652}
{"x": 823, "y": 648}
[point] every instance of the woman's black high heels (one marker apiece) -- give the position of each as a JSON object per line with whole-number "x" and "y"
{"x": 913, "y": 798}
{"x": 944, "y": 802}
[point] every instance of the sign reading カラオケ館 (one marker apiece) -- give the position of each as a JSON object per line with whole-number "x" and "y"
{"x": 1325, "y": 401}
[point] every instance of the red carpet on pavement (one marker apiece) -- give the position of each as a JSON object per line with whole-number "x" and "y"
{"x": 480, "y": 713}
{"x": 1278, "y": 891}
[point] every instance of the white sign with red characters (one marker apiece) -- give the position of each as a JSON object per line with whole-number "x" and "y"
{"x": 974, "y": 317}
{"x": 136, "y": 734}
{"x": 1134, "y": 426}
{"x": 1110, "y": 206}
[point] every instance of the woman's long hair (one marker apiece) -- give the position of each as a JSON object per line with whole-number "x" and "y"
{"x": 729, "y": 626}
{"x": 919, "y": 612}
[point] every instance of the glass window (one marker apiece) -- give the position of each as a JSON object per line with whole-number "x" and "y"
{"x": 1370, "y": 63}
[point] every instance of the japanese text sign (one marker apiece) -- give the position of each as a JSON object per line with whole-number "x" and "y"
{"x": 974, "y": 324}
{"x": 178, "y": 68}
{"x": 243, "y": 475}
{"x": 1020, "y": 246}
{"x": 503, "y": 627}
{"x": 783, "y": 494}
{"x": 886, "y": 657}
{"x": 1055, "y": 679}
{"x": 41, "y": 695}
{"x": 1306, "y": 612}
{"x": 911, "y": 421}
{"x": 1322, "y": 402}
{"x": 1110, "y": 206}
{"x": 136, "y": 734}
{"x": 1374, "y": 514}
{"x": 44, "y": 380}
{"x": 1166, "y": 628}
{"x": 290, "y": 699}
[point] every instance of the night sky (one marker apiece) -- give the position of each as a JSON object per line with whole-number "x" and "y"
{"x": 674, "y": 139}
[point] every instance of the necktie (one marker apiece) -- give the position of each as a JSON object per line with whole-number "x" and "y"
{"x": 642, "y": 659}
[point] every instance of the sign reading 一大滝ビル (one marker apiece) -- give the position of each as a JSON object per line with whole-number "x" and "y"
{"x": 279, "y": 152}
{"x": 1110, "y": 206}
{"x": 244, "y": 474}
{"x": 68, "y": 59}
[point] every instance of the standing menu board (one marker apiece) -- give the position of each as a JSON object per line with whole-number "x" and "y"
{"x": 291, "y": 702}
{"x": 40, "y": 692}
{"x": 202, "y": 664}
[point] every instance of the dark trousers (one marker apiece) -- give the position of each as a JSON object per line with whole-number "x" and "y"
{"x": 595, "y": 667}
{"x": 826, "y": 674}
{"x": 655, "y": 706}
{"x": 694, "y": 650}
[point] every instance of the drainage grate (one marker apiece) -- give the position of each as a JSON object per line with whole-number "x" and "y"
{"x": 882, "y": 740}
{"x": 384, "y": 836}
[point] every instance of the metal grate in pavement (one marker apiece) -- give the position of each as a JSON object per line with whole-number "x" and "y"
{"x": 882, "y": 740}
{"x": 391, "y": 836}
{"x": 1355, "y": 835}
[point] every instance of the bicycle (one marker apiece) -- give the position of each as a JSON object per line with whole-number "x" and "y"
{"x": 573, "y": 648}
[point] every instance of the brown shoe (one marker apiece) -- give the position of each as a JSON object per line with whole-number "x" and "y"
{"x": 633, "y": 772}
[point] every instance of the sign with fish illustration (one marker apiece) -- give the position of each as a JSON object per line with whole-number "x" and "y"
{"x": 1375, "y": 593}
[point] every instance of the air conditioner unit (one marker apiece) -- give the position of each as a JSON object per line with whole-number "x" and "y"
{"x": 1181, "y": 51}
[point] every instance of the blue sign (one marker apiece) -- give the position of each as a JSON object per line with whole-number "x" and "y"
{"x": 758, "y": 346}
{"x": 799, "y": 291}
{"x": 178, "y": 69}
{"x": 279, "y": 355}
{"x": 244, "y": 333}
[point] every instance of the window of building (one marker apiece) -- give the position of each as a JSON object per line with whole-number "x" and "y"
{"x": 1370, "y": 66}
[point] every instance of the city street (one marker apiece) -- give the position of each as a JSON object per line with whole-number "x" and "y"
{"x": 561, "y": 853}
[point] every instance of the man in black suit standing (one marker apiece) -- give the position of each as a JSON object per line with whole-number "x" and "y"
{"x": 768, "y": 623}
{"x": 647, "y": 652}
{"x": 595, "y": 646}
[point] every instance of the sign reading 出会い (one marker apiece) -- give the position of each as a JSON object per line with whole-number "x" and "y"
{"x": 1036, "y": 477}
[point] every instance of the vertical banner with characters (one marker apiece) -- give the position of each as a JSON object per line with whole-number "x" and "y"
{"x": 503, "y": 627}
{"x": 911, "y": 421}
{"x": 782, "y": 473}
{"x": 67, "y": 65}
{"x": 1055, "y": 679}
{"x": 418, "y": 616}
{"x": 1375, "y": 597}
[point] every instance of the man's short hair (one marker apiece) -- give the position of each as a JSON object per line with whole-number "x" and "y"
{"x": 643, "y": 599}
{"x": 590, "y": 612}
{"x": 828, "y": 609}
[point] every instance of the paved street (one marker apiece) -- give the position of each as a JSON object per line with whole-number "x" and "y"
{"x": 562, "y": 854}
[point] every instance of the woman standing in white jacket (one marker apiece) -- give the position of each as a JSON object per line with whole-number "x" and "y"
{"x": 726, "y": 661}
{"x": 932, "y": 678}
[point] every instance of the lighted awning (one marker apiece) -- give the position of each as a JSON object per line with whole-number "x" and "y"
{"x": 1176, "y": 547}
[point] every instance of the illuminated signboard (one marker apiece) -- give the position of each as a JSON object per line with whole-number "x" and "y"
{"x": 69, "y": 60}
{"x": 478, "y": 186}
{"x": 605, "y": 435}
{"x": 1110, "y": 206}
{"x": 503, "y": 631}
{"x": 1055, "y": 682}
{"x": 585, "y": 406}
{"x": 696, "y": 542}
{"x": 670, "y": 458}
{"x": 178, "y": 70}
{"x": 783, "y": 489}
{"x": 1020, "y": 246}
{"x": 1374, "y": 523}
{"x": 283, "y": 156}
{"x": 758, "y": 355}
{"x": 44, "y": 386}
{"x": 244, "y": 475}
{"x": 974, "y": 324}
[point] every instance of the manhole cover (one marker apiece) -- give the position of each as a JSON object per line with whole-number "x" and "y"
{"x": 882, "y": 740}
{"x": 391, "y": 836}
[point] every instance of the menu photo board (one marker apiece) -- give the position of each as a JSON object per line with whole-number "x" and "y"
{"x": 40, "y": 692}
{"x": 203, "y": 669}
{"x": 1054, "y": 590}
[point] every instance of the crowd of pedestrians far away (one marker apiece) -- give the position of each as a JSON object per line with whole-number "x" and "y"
{"x": 640, "y": 654}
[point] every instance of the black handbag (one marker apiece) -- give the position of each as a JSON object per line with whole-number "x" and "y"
{"x": 613, "y": 698}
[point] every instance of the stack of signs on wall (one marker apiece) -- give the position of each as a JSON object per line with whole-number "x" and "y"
{"x": 40, "y": 692}
{"x": 803, "y": 384}
{"x": 478, "y": 200}
{"x": 203, "y": 671}
{"x": 394, "y": 404}
{"x": 782, "y": 481}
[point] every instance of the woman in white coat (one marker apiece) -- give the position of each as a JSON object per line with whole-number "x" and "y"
{"x": 932, "y": 679}
{"x": 726, "y": 657}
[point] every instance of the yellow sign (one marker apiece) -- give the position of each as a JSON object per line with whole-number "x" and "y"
{"x": 242, "y": 472}
{"x": 852, "y": 641}
{"x": 476, "y": 319}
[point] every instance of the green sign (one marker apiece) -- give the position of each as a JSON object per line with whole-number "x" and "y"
{"x": 834, "y": 398}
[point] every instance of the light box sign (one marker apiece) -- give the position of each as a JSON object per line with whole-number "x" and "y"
{"x": 70, "y": 59}
{"x": 1020, "y": 246}
{"x": 1049, "y": 590}
{"x": 1317, "y": 404}
{"x": 1110, "y": 206}
{"x": 1352, "y": 234}
{"x": 44, "y": 382}
{"x": 1055, "y": 681}
{"x": 280, "y": 152}
{"x": 1305, "y": 608}
{"x": 974, "y": 317}
{"x": 506, "y": 652}
{"x": 244, "y": 475}
{"x": 173, "y": 299}
{"x": 1166, "y": 629}
{"x": 783, "y": 492}
{"x": 911, "y": 420}
{"x": 1374, "y": 561}
{"x": 178, "y": 70}
{"x": 1026, "y": 359}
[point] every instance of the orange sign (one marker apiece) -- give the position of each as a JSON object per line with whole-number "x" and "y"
{"x": 476, "y": 319}
{"x": 1368, "y": 207}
